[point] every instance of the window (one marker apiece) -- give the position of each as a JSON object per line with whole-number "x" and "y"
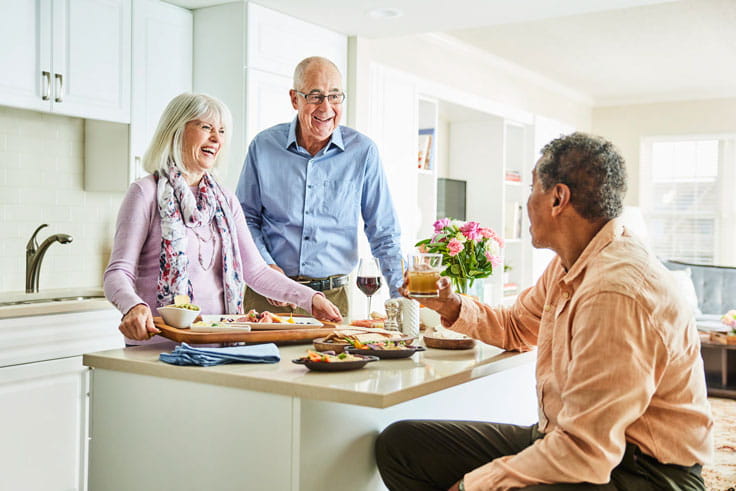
{"x": 687, "y": 199}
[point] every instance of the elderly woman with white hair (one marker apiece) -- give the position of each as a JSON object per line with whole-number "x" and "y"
{"x": 179, "y": 231}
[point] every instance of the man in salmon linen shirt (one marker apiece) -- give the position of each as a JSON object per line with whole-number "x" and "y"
{"x": 620, "y": 380}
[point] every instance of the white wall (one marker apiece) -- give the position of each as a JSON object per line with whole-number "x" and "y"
{"x": 626, "y": 125}
{"x": 41, "y": 181}
{"x": 455, "y": 65}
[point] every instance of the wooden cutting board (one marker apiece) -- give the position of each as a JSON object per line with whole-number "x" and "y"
{"x": 189, "y": 337}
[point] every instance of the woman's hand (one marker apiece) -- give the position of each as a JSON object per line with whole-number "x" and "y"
{"x": 277, "y": 303}
{"x": 447, "y": 303}
{"x": 138, "y": 323}
{"x": 323, "y": 309}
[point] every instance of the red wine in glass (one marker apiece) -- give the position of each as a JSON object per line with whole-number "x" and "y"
{"x": 369, "y": 284}
{"x": 368, "y": 278}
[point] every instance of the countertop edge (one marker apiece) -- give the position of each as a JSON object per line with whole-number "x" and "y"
{"x": 503, "y": 361}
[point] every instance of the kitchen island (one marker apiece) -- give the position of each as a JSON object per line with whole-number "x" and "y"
{"x": 280, "y": 426}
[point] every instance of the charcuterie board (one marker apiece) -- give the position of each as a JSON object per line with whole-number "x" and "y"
{"x": 238, "y": 335}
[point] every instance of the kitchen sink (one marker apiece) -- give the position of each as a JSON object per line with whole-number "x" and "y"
{"x": 56, "y": 296}
{"x": 46, "y": 300}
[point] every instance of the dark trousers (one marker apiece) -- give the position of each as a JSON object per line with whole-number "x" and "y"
{"x": 434, "y": 455}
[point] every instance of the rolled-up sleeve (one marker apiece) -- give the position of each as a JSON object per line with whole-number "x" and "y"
{"x": 601, "y": 398}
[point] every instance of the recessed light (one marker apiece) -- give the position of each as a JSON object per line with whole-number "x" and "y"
{"x": 384, "y": 13}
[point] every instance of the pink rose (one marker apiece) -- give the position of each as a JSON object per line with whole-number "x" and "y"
{"x": 499, "y": 240}
{"x": 471, "y": 230}
{"x": 440, "y": 224}
{"x": 496, "y": 261}
{"x": 487, "y": 233}
{"x": 455, "y": 247}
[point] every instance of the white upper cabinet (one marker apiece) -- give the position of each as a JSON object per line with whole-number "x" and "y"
{"x": 245, "y": 55}
{"x": 22, "y": 83}
{"x": 162, "y": 68}
{"x": 70, "y": 57}
{"x": 277, "y": 42}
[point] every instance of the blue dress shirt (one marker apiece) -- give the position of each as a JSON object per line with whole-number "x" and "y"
{"x": 303, "y": 210}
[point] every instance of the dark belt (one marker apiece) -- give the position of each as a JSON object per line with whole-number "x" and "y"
{"x": 323, "y": 284}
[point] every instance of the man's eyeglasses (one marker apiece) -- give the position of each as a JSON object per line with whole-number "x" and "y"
{"x": 317, "y": 98}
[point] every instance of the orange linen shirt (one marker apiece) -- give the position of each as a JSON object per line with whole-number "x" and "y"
{"x": 618, "y": 361}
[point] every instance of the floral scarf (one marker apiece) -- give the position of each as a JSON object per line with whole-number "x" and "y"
{"x": 179, "y": 209}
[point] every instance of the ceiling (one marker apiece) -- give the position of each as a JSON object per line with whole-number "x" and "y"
{"x": 614, "y": 51}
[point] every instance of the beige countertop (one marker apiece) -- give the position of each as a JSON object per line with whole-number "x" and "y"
{"x": 379, "y": 384}
{"x": 52, "y": 301}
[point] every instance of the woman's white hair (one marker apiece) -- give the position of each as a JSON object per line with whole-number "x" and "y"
{"x": 167, "y": 140}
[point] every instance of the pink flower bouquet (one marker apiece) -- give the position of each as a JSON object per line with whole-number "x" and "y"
{"x": 468, "y": 250}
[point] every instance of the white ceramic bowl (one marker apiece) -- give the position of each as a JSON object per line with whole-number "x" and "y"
{"x": 178, "y": 317}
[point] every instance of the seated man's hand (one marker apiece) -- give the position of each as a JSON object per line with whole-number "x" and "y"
{"x": 325, "y": 310}
{"x": 447, "y": 303}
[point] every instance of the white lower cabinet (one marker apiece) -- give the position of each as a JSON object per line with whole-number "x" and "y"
{"x": 43, "y": 425}
{"x": 44, "y": 396}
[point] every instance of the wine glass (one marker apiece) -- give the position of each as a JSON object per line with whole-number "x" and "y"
{"x": 369, "y": 279}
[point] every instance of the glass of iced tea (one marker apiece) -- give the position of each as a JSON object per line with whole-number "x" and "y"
{"x": 424, "y": 271}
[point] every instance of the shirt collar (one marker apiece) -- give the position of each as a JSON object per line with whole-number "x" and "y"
{"x": 610, "y": 232}
{"x": 335, "y": 139}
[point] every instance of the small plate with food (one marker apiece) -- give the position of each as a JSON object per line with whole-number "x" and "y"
{"x": 331, "y": 362}
{"x": 376, "y": 321}
{"x": 442, "y": 338}
{"x": 385, "y": 349}
{"x": 255, "y": 321}
{"x": 344, "y": 337}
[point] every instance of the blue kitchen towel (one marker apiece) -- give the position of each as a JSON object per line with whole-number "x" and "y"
{"x": 186, "y": 355}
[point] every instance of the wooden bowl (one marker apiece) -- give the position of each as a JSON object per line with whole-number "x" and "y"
{"x": 321, "y": 345}
{"x": 442, "y": 343}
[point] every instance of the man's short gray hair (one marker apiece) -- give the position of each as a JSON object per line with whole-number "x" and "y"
{"x": 592, "y": 168}
{"x": 167, "y": 140}
{"x": 301, "y": 68}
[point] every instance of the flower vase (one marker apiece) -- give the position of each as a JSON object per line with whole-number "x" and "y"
{"x": 469, "y": 288}
{"x": 461, "y": 285}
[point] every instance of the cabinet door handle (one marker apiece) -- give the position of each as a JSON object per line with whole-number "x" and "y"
{"x": 46, "y": 86}
{"x": 59, "y": 91}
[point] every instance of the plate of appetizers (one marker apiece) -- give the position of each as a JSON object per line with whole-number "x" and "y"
{"x": 344, "y": 337}
{"x": 264, "y": 321}
{"x": 385, "y": 349}
{"x": 333, "y": 362}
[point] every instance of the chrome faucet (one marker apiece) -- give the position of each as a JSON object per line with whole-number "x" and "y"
{"x": 35, "y": 253}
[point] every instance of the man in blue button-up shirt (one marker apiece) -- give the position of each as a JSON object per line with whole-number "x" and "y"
{"x": 304, "y": 186}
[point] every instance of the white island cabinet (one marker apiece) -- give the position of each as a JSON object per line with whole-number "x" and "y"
{"x": 44, "y": 393}
{"x": 69, "y": 57}
{"x": 280, "y": 426}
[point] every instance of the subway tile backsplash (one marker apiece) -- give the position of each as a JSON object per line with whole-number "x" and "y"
{"x": 42, "y": 181}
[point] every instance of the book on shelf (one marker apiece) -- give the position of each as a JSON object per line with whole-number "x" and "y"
{"x": 512, "y": 176}
{"x": 425, "y": 155}
{"x": 512, "y": 220}
{"x": 510, "y": 289}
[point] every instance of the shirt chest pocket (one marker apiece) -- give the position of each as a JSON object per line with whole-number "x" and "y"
{"x": 340, "y": 199}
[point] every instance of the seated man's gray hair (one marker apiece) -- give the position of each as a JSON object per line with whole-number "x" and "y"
{"x": 592, "y": 168}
